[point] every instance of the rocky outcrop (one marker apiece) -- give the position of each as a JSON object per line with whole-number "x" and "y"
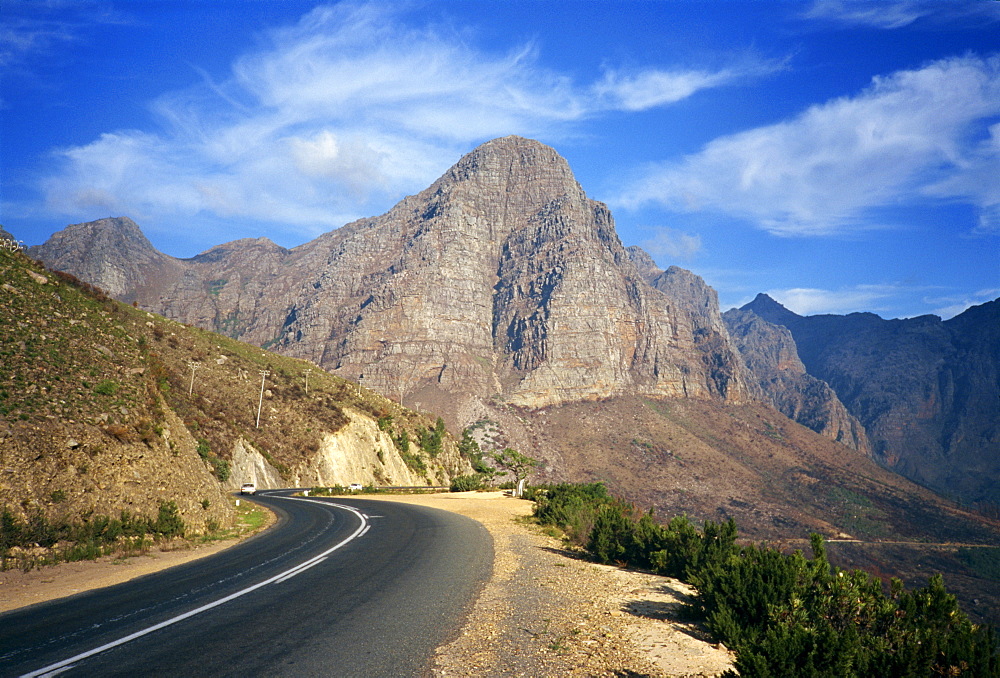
{"x": 926, "y": 390}
{"x": 112, "y": 254}
{"x": 770, "y": 354}
{"x": 501, "y": 282}
{"x": 692, "y": 302}
{"x": 248, "y": 465}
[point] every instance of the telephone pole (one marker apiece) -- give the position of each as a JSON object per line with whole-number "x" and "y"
{"x": 194, "y": 365}
{"x": 260, "y": 403}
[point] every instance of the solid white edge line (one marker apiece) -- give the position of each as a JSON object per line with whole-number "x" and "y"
{"x": 59, "y": 667}
{"x": 300, "y": 570}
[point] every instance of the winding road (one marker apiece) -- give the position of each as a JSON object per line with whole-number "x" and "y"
{"x": 339, "y": 587}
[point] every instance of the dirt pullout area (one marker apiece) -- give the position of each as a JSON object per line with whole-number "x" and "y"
{"x": 543, "y": 612}
{"x": 546, "y": 612}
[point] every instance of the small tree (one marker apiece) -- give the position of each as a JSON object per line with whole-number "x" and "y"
{"x": 517, "y": 465}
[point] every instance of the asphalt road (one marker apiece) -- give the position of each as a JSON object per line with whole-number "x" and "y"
{"x": 339, "y": 587}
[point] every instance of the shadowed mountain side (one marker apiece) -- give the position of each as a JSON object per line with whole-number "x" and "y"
{"x": 771, "y": 356}
{"x": 927, "y": 391}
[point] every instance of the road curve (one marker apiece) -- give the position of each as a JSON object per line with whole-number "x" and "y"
{"x": 345, "y": 587}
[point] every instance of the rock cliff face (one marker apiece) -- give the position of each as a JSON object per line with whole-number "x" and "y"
{"x": 502, "y": 282}
{"x": 694, "y": 311}
{"x": 926, "y": 390}
{"x": 772, "y": 357}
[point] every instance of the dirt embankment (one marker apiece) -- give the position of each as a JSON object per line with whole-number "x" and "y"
{"x": 543, "y": 612}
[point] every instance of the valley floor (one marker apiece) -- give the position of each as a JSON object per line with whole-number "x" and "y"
{"x": 543, "y": 612}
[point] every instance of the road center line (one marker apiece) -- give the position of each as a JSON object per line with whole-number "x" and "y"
{"x": 59, "y": 667}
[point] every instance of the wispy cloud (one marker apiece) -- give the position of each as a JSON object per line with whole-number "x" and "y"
{"x": 899, "y": 13}
{"x": 29, "y": 28}
{"x": 811, "y": 301}
{"x": 912, "y": 135}
{"x": 951, "y": 305}
{"x": 348, "y": 106}
{"x": 882, "y": 299}
{"x": 642, "y": 90}
{"x": 669, "y": 242}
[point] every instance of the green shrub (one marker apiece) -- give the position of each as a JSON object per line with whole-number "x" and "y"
{"x": 783, "y": 615}
{"x": 168, "y": 521}
{"x": 203, "y": 448}
{"x": 221, "y": 468}
{"x": 571, "y": 507}
{"x": 467, "y": 483}
{"x": 106, "y": 387}
{"x": 431, "y": 439}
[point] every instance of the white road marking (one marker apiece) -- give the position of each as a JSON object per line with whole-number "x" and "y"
{"x": 66, "y": 664}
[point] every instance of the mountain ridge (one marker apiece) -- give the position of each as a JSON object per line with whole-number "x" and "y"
{"x": 504, "y": 292}
{"x": 925, "y": 389}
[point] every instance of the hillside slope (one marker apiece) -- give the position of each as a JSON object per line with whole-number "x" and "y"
{"x": 99, "y": 412}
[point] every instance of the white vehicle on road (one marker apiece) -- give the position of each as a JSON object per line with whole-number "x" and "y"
{"x": 355, "y": 487}
{"x": 248, "y": 488}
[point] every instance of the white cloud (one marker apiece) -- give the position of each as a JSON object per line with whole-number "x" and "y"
{"x": 950, "y": 306}
{"x": 885, "y": 15}
{"x": 653, "y": 88}
{"x": 909, "y": 135}
{"x": 347, "y": 107}
{"x": 29, "y": 28}
{"x": 672, "y": 243}
{"x": 883, "y": 299}
{"x": 899, "y": 13}
{"x": 811, "y": 301}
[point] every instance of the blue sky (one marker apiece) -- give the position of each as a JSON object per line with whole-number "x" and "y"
{"x": 840, "y": 156}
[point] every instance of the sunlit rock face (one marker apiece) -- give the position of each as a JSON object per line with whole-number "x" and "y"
{"x": 500, "y": 282}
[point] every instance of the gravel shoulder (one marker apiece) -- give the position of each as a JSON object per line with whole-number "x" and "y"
{"x": 543, "y": 612}
{"x": 547, "y": 612}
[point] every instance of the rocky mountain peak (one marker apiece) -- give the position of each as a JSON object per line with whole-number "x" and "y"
{"x": 644, "y": 263}
{"x": 501, "y": 282}
{"x": 770, "y": 310}
{"x": 111, "y": 253}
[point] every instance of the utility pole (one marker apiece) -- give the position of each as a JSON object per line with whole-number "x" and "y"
{"x": 260, "y": 403}
{"x": 194, "y": 365}
{"x": 308, "y": 370}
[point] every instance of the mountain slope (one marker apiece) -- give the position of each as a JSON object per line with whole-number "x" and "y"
{"x": 105, "y": 407}
{"x": 772, "y": 357}
{"x": 926, "y": 390}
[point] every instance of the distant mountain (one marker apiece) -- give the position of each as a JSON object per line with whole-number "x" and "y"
{"x": 772, "y": 357}
{"x": 927, "y": 391}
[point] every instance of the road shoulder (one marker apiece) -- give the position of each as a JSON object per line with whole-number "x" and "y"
{"x": 545, "y": 611}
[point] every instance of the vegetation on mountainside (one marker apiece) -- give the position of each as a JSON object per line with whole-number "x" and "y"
{"x": 104, "y": 406}
{"x": 37, "y": 540}
{"x": 782, "y": 614}
{"x": 508, "y": 462}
